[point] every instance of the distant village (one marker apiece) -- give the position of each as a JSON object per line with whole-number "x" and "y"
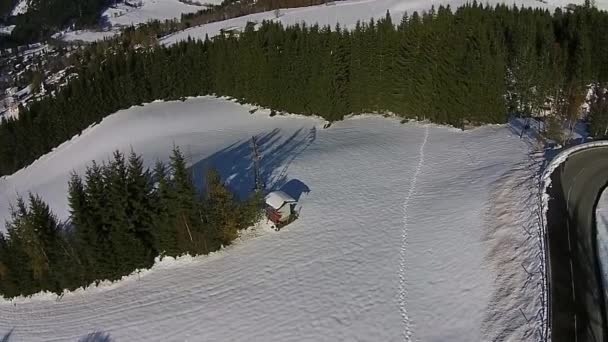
{"x": 32, "y": 71}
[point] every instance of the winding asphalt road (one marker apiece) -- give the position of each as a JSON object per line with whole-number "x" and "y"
{"x": 578, "y": 304}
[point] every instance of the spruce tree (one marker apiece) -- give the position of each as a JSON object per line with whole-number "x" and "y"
{"x": 140, "y": 211}
{"x": 94, "y": 240}
{"x": 221, "y": 208}
{"x": 188, "y": 214}
{"x": 129, "y": 252}
{"x": 167, "y": 235}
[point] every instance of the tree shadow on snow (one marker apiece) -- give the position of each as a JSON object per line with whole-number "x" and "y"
{"x": 236, "y": 166}
{"x": 530, "y": 128}
{"x": 525, "y": 127}
{"x": 6, "y": 337}
{"x": 98, "y": 336}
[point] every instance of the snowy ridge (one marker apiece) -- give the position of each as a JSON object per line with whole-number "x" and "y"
{"x": 46, "y": 157}
{"x": 407, "y": 332}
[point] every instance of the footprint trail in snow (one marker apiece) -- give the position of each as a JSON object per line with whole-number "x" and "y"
{"x": 407, "y": 331}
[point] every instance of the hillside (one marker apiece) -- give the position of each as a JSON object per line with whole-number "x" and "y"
{"x": 402, "y": 229}
{"x": 126, "y": 15}
{"x": 347, "y": 13}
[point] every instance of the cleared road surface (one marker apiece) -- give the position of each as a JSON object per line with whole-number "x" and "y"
{"x": 578, "y": 306}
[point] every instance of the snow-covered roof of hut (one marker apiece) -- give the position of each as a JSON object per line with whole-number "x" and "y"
{"x": 276, "y": 199}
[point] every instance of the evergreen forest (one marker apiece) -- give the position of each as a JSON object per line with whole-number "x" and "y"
{"x": 475, "y": 65}
{"x": 122, "y": 216}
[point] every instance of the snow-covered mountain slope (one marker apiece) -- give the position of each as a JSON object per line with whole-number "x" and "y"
{"x": 149, "y": 10}
{"x": 347, "y": 13}
{"x": 21, "y": 7}
{"x": 408, "y": 232}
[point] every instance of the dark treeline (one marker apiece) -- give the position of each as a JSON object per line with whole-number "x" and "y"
{"x": 236, "y": 8}
{"x": 467, "y": 67}
{"x": 45, "y": 17}
{"x": 121, "y": 217}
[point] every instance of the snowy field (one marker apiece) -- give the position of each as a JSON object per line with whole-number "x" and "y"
{"x": 150, "y": 10}
{"x": 86, "y": 36}
{"x": 347, "y": 13}
{"x": 407, "y": 232}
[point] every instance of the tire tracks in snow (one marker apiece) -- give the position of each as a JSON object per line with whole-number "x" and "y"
{"x": 407, "y": 330}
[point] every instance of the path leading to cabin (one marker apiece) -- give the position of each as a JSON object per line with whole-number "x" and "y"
{"x": 407, "y": 332}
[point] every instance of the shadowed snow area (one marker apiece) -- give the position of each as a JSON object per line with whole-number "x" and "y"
{"x": 395, "y": 239}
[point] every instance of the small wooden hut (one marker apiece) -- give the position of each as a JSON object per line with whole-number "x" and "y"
{"x": 280, "y": 208}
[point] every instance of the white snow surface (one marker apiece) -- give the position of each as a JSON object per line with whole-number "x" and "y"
{"x": 21, "y": 7}
{"x": 347, "y": 13}
{"x": 406, "y": 231}
{"x": 602, "y": 236}
{"x": 87, "y": 35}
{"x": 125, "y": 15}
{"x": 6, "y": 30}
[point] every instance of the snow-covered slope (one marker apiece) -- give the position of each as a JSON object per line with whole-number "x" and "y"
{"x": 407, "y": 232}
{"x": 149, "y": 10}
{"x": 347, "y": 13}
{"x": 6, "y": 30}
{"x": 21, "y": 7}
{"x": 87, "y": 35}
{"x": 602, "y": 235}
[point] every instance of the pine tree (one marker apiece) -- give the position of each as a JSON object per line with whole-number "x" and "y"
{"x": 187, "y": 204}
{"x": 36, "y": 231}
{"x": 94, "y": 240}
{"x": 128, "y": 251}
{"x": 167, "y": 237}
{"x": 432, "y": 66}
{"x": 221, "y": 208}
{"x": 140, "y": 211}
{"x": 85, "y": 234}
